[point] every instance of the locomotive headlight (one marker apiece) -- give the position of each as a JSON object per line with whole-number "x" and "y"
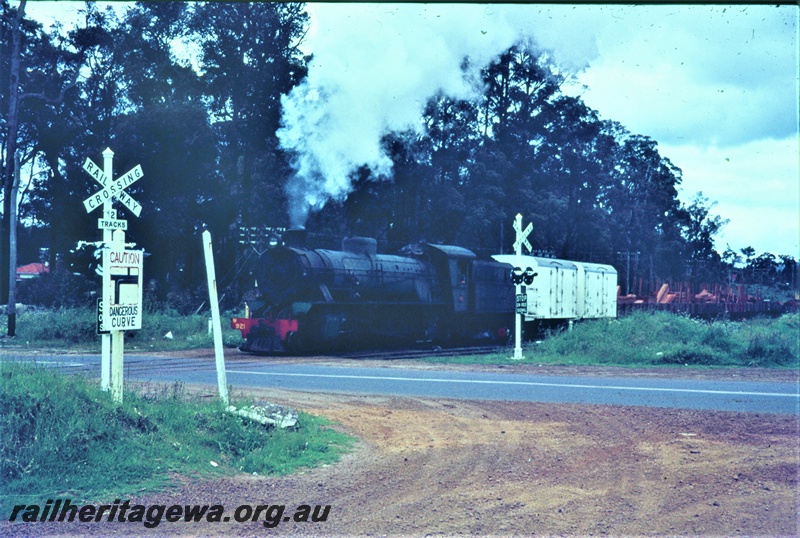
{"x": 517, "y": 275}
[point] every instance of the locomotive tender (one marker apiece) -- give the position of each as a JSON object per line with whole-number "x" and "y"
{"x": 325, "y": 300}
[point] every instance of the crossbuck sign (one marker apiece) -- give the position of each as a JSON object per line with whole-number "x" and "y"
{"x": 112, "y": 189}
{"x": 522, "y": 235}
{"x": 121, "y": 307}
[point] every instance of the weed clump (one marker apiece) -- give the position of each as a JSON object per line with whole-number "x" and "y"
{"x": 660, "y": 338}
{"x": 61, "y": 435}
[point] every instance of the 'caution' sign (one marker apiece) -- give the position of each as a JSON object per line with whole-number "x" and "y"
{"x": 122, "y": 290}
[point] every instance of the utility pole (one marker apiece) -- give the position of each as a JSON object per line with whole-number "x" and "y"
{"x": 11, "y": 307}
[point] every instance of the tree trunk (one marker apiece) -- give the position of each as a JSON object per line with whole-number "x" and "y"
{"x": 12, "y": 121}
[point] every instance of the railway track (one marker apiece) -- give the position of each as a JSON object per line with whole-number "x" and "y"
{"x": 141, "y": 365}
{"x": 400, "y": 354}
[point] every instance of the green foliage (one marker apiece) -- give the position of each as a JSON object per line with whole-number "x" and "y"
{"x": 660, "y": 339}
{"x": 59, "y": 289}
{"x": 76, "y": 328}
{"x": 62, "y": 435}
{"x": 644, "y": 339}
{"x": 42, "y": 326}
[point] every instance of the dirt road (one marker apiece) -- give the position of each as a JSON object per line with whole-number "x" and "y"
{"x": 443, "y": 467}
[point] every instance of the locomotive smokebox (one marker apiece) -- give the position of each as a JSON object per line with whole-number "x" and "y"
{"x": 295, "y": 238}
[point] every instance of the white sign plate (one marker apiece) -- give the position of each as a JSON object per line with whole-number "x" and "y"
{"x": 522, "y": 236}
{"x": 112, "y": 224}
{"x": 122, "y": 290}
{"x": 112, "y": 189}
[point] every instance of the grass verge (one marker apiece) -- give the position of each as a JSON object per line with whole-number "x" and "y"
{"x": 662, "y": 339}
{"x": 75, "y": 328}
{"x": 62, "y": 436}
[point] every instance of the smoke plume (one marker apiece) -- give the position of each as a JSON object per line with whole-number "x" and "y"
{"x": 375, "y": 66}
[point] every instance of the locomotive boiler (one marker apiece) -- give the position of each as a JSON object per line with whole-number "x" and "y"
{"x": 324, "y": 300}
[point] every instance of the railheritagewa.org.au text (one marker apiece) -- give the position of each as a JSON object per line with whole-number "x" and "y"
{"x": 151, "y": 516}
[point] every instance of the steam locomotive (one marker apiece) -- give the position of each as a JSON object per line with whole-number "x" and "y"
{"x": 327, "y": 300}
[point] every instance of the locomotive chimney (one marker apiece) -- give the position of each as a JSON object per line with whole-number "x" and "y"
{"x": 295, "y": 238}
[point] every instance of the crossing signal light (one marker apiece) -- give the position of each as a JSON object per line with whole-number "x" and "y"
{"x": 518, "y": 276}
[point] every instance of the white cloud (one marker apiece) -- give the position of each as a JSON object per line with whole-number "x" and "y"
{"x": 697, "y": 74}
{"x": 717, "y": 87}
{"x": 756, "y": 186}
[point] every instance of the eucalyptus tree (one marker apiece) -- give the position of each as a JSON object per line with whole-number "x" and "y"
{"x": 162, "y": 123}
{"x": 699, "y": 230}
{"x": 573, "y": 164}
{"x": 537, "y": 137}
{"x": 155, "y": 55}
{"x": 78, "y": 127}
{"x": 38, "y": 76}
{"x": 646, "y": 215}
{"x": 250, "y": 57}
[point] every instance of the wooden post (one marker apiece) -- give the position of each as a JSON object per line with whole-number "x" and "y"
{"x": 222, "y": 382}
{"x": 518, "y": 290}
{"x": 105, "y": 339}
{"x": 117, "y": 336}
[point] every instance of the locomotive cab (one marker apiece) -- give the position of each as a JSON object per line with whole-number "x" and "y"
{"x": 479, "y": 294}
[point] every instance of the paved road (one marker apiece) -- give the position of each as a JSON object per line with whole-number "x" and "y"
{"x": 762, "y": 397}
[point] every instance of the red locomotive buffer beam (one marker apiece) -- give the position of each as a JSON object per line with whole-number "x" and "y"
{"x": 270, "y": 334}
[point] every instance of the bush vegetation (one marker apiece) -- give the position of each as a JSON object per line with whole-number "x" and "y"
{"x": 663, "y": 338}
{"x": 61, "y": 435}
{"x": 659, "y": 339}
{"x": 640, "y": 339}
{"x": 162, "y": 330}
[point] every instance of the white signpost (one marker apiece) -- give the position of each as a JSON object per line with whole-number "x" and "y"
{"x": 522, "y": 298}
{"x": 121, "y": 308}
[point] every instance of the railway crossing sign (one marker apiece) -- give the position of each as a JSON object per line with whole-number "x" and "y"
{"x": 522, "y": 303}
{"x": 120, "y": 308}
{"x": 109, "y": 221}
{"x": 522, "y": 235}
{"x": 112, "y": 190}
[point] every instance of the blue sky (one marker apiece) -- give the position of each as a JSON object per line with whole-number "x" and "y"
{"x": 716, "y": 86}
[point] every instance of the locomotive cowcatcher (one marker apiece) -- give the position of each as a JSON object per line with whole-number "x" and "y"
{"x": 325, "y": 300}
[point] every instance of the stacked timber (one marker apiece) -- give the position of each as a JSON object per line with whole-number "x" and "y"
{"x": 711, "y": 301}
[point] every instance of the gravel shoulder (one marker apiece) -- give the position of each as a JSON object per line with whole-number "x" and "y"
{"x": 446, "y": 467}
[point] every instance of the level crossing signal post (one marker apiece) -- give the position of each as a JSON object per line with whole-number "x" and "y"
{"x": 518, "y": 276}
{"x": 120, "y": 308}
